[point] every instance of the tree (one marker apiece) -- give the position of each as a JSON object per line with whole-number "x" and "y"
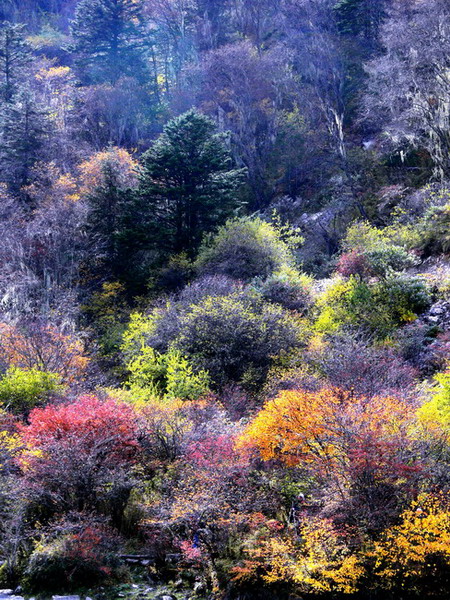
{"x": 23, "y": 129}
{"x": 109, "y": 40}
{"x": 409, "y": 84}
{"x": 415, "y": 554}
{"x": 187, "y": 185}
{"x": 23, "y": 389}
{"x": 247, "y": 91}
{"x": 244, "y": 249}
{"x": 234, "y": 336}
{"x": 361, "y": 19}
{"x": 359, "y": 448}
{"x": 76, "y": 453}
{"x": 15, "y": 57}
{"x": 39, "y": 345}
{"x": 104, "y": 178}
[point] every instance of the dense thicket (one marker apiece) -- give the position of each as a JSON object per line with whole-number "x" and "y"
{"x": 224, "y": 298}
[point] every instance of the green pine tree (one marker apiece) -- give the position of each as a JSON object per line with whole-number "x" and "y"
{"x": 109, "y": 40}
{"x": 15, "y": 56}
{"x": 187, "y": 184}
{"x": 23, "y": 130}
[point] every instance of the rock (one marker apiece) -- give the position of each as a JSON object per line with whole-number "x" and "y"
{"x": 65, "y": 597}
{"x": 6, "y": 593}
{"x": 165, "y": 597}
{"x": 438, "y": 314}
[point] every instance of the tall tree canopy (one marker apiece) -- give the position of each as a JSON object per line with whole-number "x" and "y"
{"x": 109, "y": 40}
{"x": 187, "y": 184}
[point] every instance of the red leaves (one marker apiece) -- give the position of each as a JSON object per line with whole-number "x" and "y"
{"x": 353, "y": 263}
{"x": 87, "y": 425}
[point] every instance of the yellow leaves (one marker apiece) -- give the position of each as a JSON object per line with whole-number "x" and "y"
{"x": 117, "y": 160}
{"x": 292, "y": 427}
{"x": 329, "y": 429}
{"x": 418, "y": 545}
{"x": 55, "y": 74}
{"x": 327, "y": 564}
{"x": 434, "y": 415}
{"x": 317, "y": 560}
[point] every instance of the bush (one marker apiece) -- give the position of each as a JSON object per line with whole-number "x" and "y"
{"x": 234, "y": 337}
{"x": 169, "y": 375}
{"x": 436, "y": 230}
{"x": 352, "y": 364}
{"x": 288, "y": 288}
{"x": 82, "y": 556}
{"x": 176, "y": 274}
{"x": 383, "y": 261}
{"x": 377, "y": 307}
{"x": 23, "y": 389}
{"x": 244, "y": 249}
{"x": 437, "y": 410}
{"x": 373, "y": 252}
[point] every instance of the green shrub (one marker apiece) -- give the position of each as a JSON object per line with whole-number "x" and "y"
{"x": 386, "y": 260}
{"x": 244, "y": 249}
{"x": 22, "y": 389}
{"x": 374, "y": 252}
{"x": 436, "y": 230}
{"x": 234, "y": 337}
{"x": 169, "y": 375}
{"x": 377, "y": 307}
{"x": 288, "y": 288}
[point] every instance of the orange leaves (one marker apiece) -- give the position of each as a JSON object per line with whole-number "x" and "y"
{"x": 43, "y": 347}
{"x": 116, "y": 160}
{"x": 332, "y": 431}
{"x": 293, "y": 427}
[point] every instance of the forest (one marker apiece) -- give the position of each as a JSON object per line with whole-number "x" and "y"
{"x": 225, "y": 299}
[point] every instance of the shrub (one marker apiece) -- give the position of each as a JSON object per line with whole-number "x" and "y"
{"x": 74, "y": 555}
{"x": 234, "y": 337}
{"x": 436, "y": 230}
{"x": 244, "y": 249}
{"x": 23, "y": 389}
{"x": 176, "y": 274}
{"x": 353, "y": 262}
{"x": 169, "y": 375}
{"x": 373, "y": 252}
{"x": 352, "y": 364}
{"x": 437, "y": 410}
{"x": 79, "y": 455}
{"x": 288, "y": 288}
{"x": 383, "y": 261}
{"x": 39, "y": 345}
{"x": 415, "y": 554}
{"x": 377, "y": 307}
{"x": 108, "y": 312}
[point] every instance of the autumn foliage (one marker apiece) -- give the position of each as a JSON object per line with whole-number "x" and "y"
{"x": 86, "y": 424}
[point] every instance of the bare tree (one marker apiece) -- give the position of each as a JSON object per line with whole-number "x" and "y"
{"x": 409, "y": 86}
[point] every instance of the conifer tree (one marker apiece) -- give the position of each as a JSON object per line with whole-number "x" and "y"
{"x": 15, "y": 56}
{"x": 23, "y": 129}
{"x": 187, "y": 184}
{"x": 109, "y": 40}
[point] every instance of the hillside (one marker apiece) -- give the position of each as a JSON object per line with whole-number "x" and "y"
{"x": 225, "y": 299}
